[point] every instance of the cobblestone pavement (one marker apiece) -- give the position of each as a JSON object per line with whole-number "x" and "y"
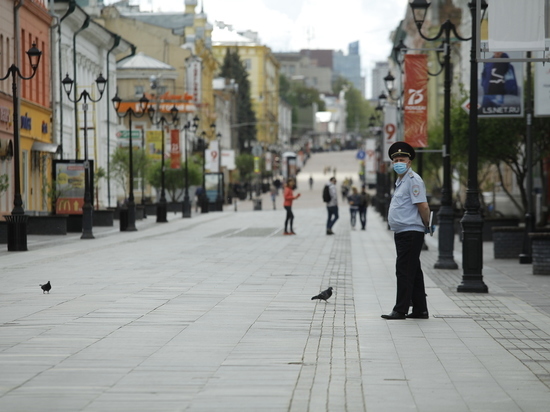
{"x": 215, "y": 313}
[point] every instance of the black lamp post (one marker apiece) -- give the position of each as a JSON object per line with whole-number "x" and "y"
{"x": 17, "y": 221}
{"x": 445, "y": 216}
{"x": 130, "y": 113}
{"x": 186, "y": 209}
{"x": 163, "y": 122}
{"x": 219, "y": 197}
{"x": 87, "y": 209}
{"x": 472, "y": 222}
{"x": 203, "y": 199}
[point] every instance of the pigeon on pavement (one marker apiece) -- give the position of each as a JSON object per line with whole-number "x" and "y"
{"x": 46, "y": 287}
{"x": 324, "y": 295}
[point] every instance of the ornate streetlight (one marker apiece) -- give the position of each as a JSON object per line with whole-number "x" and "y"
{"x": 17, "y": 221}
{"x": 87, "y": 209}
{"x": 472, "y": 221}
{"x": 186, "y": 210}
{"x": 163, "y": 122}
{"x": 130, "y": 113}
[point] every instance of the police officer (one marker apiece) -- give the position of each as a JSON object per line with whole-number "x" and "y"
{"x": 408, "y": 217}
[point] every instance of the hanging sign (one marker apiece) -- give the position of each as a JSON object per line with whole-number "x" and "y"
{"x": 416, "y": 100}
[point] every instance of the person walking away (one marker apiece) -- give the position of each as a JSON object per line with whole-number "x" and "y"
{"x": 332, "y": 204}
{"x": 345, "y": 190}
{"x": 364, "y": 201}
{"x": 353, "y": 200}
{"x": 274, "y": 196}
{"x": 408, "y": 217}
{"x": 310, "y": 182}
{"x": 289, "y": 197}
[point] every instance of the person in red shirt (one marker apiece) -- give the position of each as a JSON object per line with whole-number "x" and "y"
{"x": 289, "y": 197}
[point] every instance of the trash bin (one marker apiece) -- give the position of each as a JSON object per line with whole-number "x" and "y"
{"x": 17, "y": 232}
{"x": 123, "y": 219}
{"x": 257, "y": 204}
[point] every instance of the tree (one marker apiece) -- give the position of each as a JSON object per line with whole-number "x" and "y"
{"x": 233, "y": 68}
{"x": 358, "y": 108}
{"x": 174, "y": 179}
{"x": 120, "y": 166}
{"x": 245, "y": 165}
{"x": 501, "y": 141}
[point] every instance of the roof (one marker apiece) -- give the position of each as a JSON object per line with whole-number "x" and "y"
{"x": 226, "y": 36}
{"x": 168, "y": 20}
{"x": 142, "y": 61}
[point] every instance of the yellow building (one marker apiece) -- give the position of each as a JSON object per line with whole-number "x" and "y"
{"x": 263, "y": 71}
{"x": 175, "y": 39}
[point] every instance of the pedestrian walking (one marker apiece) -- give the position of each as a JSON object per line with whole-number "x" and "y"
{"x": 354, "y": 201}
{"x": 310, "y": 182}
{"x": 408, "y": 217}
{"x": 198, "y": 197}
{"x": 330, "y": 197}
{"x": 363, "y": 204}
{"x": 274, "y": 196}
{"x": 289, "y": 197}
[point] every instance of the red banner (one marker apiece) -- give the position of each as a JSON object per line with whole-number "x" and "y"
{"x": 416, "y": 100}
{"x": 175, "y": 153}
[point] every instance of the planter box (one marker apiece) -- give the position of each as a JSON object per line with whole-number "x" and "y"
{"x": 540, "y": 252}
{"x": 103, "y": 217}
{"x": 507, "y": 241}
{"x": 3, "y": 232}
{"x": 490, "y": 223}
{"x": 174, "y": 206}
{"x": 151, "y": 209}
{"x": 74, "y": 224}
{"x": 47, "y": 225}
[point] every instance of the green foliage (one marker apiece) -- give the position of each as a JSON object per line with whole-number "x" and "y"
{"x": 233, "y": 68}
{"x": 53, "y": 192}
{"x": 358, "y": 108}
{"x": 245, "y": 165}
{"x": 120, "y": 166}
{"x": 174, "y": 179}
{"x": 299, "y": 96}
{"x": 4, "y": 183}
{"x": 500, "y": 141}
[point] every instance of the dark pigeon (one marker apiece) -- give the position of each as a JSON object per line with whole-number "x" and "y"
{"x": 46, "y": 287}
{"x": 324, "y": 295}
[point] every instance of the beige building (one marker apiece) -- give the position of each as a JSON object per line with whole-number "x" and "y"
{"x": 263, "y": 70}
{"x": 177, "y": 39}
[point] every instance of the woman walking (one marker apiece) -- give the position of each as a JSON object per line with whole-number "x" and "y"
{"x": 354, "y": 201}
{"x": 289, "y": 197}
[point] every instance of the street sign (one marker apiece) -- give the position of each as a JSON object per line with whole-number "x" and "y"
{"x": 361, "y": 154}
{"x": 257, "y": 150}
{"x": 125, "y": 134}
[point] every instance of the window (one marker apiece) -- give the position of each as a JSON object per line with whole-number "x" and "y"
{"x": 139, "y": 90}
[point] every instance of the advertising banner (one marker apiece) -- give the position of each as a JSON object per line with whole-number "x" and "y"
{"x": 194, "y": 78}
{"x": 416, "y": 100}
{"x": 390, "y": 128}
{"x": 501, "y": 87}
{"x": 175, "y": 152}
{"x": 542, "y": 89}
{"x": 153, "y": 144}
{"x": 69, "y": 178}
{"x": 212, "y": 157}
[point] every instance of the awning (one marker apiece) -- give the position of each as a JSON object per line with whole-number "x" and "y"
{"x": 45, "y": 147}
{"x": 6, "y": 148}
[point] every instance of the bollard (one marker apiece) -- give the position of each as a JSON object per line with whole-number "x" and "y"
{"x": 17, "y": 232}
{"x": 123, "y": 218}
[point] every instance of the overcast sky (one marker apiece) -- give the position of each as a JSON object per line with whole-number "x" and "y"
{"x": 291, "y": 25}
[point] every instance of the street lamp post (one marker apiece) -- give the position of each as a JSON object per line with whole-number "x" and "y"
{"x": 446, "y": 215}
{"x": 17, "y": 221}
{"x": 203, "y": 199}
{"x": 163, "y": 122}
{"x": 130, "y": 113}
{"x": 219, "y": 198}
{"x": 87, "y": 209}
{"x": 186, "y": 210}
{"x": 472, "y": 221}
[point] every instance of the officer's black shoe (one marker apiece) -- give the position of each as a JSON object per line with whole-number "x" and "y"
{"x": 419, "y": 315}
{"x": 394, "y": 315}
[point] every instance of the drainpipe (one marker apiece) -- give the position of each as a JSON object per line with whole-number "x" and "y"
{"x": 70, "y": 10}
{"x": 75, "y": 98}
{"x": 116, "y": 42}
